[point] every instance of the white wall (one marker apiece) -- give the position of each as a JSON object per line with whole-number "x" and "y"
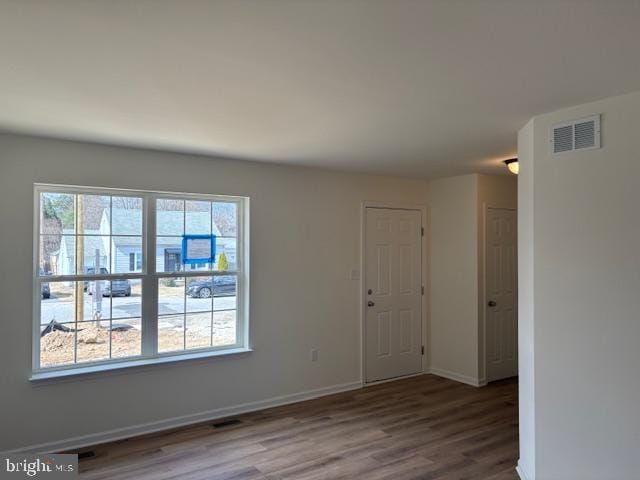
{"x": 454, "y": 269}
{"x": 305, "y": 240}
{"x": 582, "y": 221}
{"x": 458, "y": 206}
{"x": 526, "y": 367}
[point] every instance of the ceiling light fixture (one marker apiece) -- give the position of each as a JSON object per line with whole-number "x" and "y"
{"x": 512, "y": 165}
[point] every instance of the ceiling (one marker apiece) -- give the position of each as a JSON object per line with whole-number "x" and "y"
{"x": 403, "y": 87}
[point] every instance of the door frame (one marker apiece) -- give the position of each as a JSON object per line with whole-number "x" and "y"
{"x": 424, "y": 275}
{"x": 482, "y": 307}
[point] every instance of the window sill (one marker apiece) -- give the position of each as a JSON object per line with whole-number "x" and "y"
{"x": 92, "y": 370}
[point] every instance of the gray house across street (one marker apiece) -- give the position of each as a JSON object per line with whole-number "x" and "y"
{"x": 126, "y": 242}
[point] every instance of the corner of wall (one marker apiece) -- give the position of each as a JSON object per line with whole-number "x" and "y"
{"x": 526, "y": 365}
{"x": 453, "y": 274}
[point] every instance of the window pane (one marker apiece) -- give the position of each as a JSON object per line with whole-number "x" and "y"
{"x": 169, "y": 254}
{"x": 93, "y": 255}
{"x": 93, "y": 211}
{"x": 92, "y": 341}
{"x": 199, "y": 294}
{"x": 126, "y": 298}
{"x": 170, "y": 333}
{"x": 225, "y": 289}
{"x": 170, "y": 217}
{"x": 171, "y": 295}
{"x": 194, "y": 267}
{"x": 226, "y": 254}
{"x": 224, "y": 328}
{"x": 57, "y": 213}
{"x": 59, "y": 310}
{"x": 126, "y": 338}
{"x": 57, "y": 255}
{"x": 225, "y": 219}
{"x": 58, "y": 347}
{"x": 198, "y": 218}
{"x": 57, "y": 323}
{"x": 123, "y": 251}
{"x": 198, "y": 333}
{"x": 126, "y": 216}
{"x": 97, "y": 304}
{"x": 58, "y": 303}
{"x": 224, "y": 306}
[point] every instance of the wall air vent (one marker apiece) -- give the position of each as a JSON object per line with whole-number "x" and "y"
{"x": 581, "y": 134}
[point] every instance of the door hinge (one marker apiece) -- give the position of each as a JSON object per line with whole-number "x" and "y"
{"x": 422, "y": 231}
{"x": 422, "y": 350}
{"x": 423, "y": 290}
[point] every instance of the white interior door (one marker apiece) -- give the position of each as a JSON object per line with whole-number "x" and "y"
{"x": 501, "y": 294}
{"x": 393, "y": 293}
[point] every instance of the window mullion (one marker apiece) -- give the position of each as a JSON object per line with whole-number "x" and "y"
{"x": 242, "y": 284}
{"x": 36, "y": 294}
{"x": 150, "y": 284}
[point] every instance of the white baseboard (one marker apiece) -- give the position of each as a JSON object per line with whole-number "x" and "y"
{"x": 394, "y": 379}
{"x": 522, "y": 473}
{"x": 474, "y": 382}
{"x": 181, "y": 421}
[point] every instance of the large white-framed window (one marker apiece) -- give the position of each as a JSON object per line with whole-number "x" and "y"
{"x": 116, "y": 283}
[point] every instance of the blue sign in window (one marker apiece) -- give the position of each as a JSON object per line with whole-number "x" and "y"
{"x": 198, "y": 249}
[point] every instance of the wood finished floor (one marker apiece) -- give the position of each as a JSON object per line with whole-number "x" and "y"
{"x": 424, "y": 427}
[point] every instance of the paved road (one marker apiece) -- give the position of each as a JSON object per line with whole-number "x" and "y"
{"x": 62, "y": 309}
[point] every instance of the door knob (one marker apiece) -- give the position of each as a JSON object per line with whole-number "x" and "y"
{"x": 370, "y": 303}
{"x": 492, "y": 303}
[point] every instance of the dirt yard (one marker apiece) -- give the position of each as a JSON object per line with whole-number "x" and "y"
{"x": 57, "y": 348}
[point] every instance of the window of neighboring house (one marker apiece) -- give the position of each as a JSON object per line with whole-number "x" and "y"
{"x": 135, "y": 261}
{"x": 103, "y": 254}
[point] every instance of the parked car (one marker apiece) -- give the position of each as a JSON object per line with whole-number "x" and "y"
{"x": 116, "y": 287}
{"x": 108, "y": 288}
{"x": 220, "y": 286}
{"x": 111, "y": 288}
{"x": 92, "y": 271}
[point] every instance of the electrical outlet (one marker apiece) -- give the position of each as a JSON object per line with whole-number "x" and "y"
{"x": 313, "y": 354}
{"x": 355, "y": 274}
